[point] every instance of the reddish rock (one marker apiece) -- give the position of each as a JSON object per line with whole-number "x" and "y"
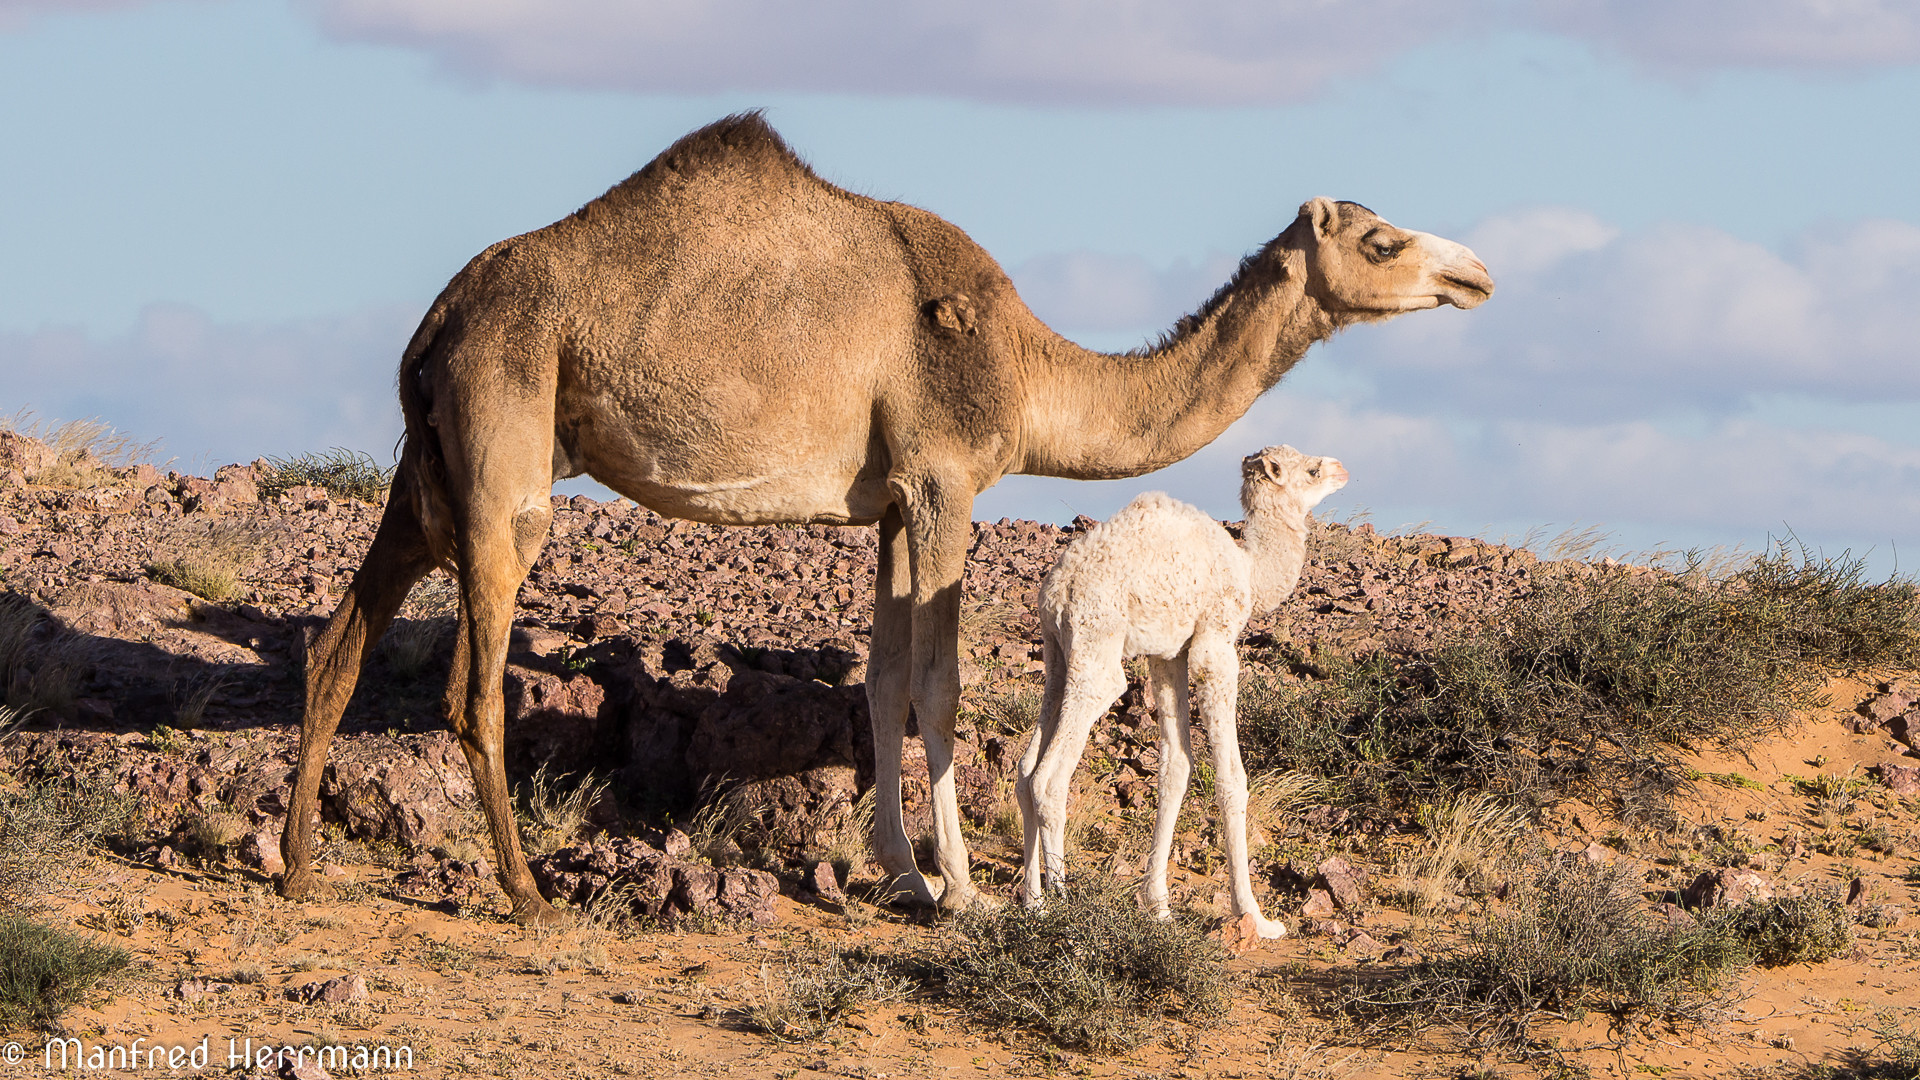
{"x": 1361, "y": 946}
{"x": 1319, "y": 904}
{"x": 1902, "y": 780}
{"x": 562, "y": 720}
{"x": 824, "y": 884}
{"x": 656, "y": 884}
{"x": 1673, "y": 915}
{"x": 260, "y": 849}
{"x": 1346, "y": 883}
{"x": 408, "y": 789}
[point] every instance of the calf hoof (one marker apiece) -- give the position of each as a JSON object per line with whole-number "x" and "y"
{"x": 911, "y": 889}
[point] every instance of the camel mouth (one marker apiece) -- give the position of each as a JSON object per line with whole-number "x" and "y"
{"x": 1466, "y": 292}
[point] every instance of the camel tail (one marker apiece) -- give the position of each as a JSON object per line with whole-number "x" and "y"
{"x": 422, "y": 472}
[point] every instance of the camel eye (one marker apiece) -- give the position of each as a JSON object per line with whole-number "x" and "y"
{"x": 1315, "y": 471}
{"x": 1386, "y": 249}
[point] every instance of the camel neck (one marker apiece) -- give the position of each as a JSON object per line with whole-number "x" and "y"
{"x": 1096, "y": 416}
{"x": 1275, "y": 540}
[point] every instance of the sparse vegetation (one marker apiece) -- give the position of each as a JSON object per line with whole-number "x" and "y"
{"x": 419, "y": 635}
{"x": 41, "y": 663}
{"x": 552, "y": 812}
{"x": 43, "y": 822}
{"x": 81, "y": 453}
{"x": 808, "y": 994}
{"x": 1090, "y": 971}
{"x": 1592, "y": 683}
{"x": 1790, "y": 929}
{"x": 1571, "y": 940}
{"x": 45, "y": 970}
{"x": 207, "y": 557}
{"x": 345, "y": 474}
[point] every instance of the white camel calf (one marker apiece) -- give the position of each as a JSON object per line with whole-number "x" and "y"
{"x": 1164, "y": 581}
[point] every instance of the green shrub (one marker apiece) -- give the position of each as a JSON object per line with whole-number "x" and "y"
{"x": 1790, "y": 929}
{"x": 346, "y": 474}
{"x": 1573, "y": 939}
{"x": 43, "y": 822}
{"x": 1090, "y": 970}
{"x": 813, "y": 991}
{"x": 1592, "y": 683}
{"x": 45, "y": 970}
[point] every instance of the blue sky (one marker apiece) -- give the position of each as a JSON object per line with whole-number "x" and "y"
{"x": 220, "y": 221}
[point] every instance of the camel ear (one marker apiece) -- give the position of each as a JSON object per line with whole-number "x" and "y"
{"x": 1324, "y": 213}
{"x": 952, "y": 313}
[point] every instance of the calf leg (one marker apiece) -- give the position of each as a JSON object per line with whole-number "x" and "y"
{"x": 1217, "y": 669}
{"x": 1170, "y": 706}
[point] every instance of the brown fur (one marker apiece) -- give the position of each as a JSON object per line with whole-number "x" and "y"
{"x": 726, "y": 337}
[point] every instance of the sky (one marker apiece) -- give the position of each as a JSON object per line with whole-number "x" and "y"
{"x": 220, "y": 221}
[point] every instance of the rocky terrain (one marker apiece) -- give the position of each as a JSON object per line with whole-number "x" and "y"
{"x": 687, "y": 720}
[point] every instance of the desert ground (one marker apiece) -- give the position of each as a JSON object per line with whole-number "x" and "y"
{"x": 687, "y": 733}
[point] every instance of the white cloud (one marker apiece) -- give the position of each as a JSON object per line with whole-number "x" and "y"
{"x": 1064, "y": 51}
{"x": 1689, "y": 35}
{"x": 214, "y": 393}
{"x": 1204, "y": 52}
{"x": 1663, "y": 319}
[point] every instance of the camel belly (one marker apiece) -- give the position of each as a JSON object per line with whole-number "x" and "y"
{"x": 826, "y": 497}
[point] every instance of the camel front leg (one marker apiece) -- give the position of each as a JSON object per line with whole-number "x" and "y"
{"x": 397, "y": 558}
{"x": 1217, "y": 668}
{"x": 1169, "y": 679}
{"x": 889, "y": 696}
{"x": 938, "y": 515}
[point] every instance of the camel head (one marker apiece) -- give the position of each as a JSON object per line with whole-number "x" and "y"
{"x": 1361, "y": 268}
{"x": 1281, "y": 474}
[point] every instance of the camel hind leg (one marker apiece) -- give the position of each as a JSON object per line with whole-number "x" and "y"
{"x": 1169, "y": 679}
{"x": 399, "y": 556}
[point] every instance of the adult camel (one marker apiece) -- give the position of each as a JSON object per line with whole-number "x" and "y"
{"x": 727, "y": 338}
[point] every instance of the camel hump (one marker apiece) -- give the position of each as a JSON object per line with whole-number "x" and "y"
{"x": 741, "y": 143}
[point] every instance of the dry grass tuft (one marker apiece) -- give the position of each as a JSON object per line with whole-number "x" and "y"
{"x": 208, "y": 557}
{"x": 553, "y": 813}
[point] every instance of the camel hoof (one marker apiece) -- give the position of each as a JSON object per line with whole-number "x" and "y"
{"x": 537, "y": 912}
{"x": 303, "y": 884}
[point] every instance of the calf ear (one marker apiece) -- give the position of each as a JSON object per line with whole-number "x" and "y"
{"x": 1323, "y": 213}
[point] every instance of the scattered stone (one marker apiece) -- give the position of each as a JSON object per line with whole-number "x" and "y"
{"x": 1902, "y": 780}
{"x": 657, "y": 885}
{"x": 1361, "y": 946}
{"x": 1674, "y": 915}
{"x": 1319, "y": 904}
{"x": 195, "y": 989}
{"x": 336, "y": 991}
{"x": 260, "y": 849}
{"x": 303, "y": 1068}
{"x": 1727, "y": 887}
